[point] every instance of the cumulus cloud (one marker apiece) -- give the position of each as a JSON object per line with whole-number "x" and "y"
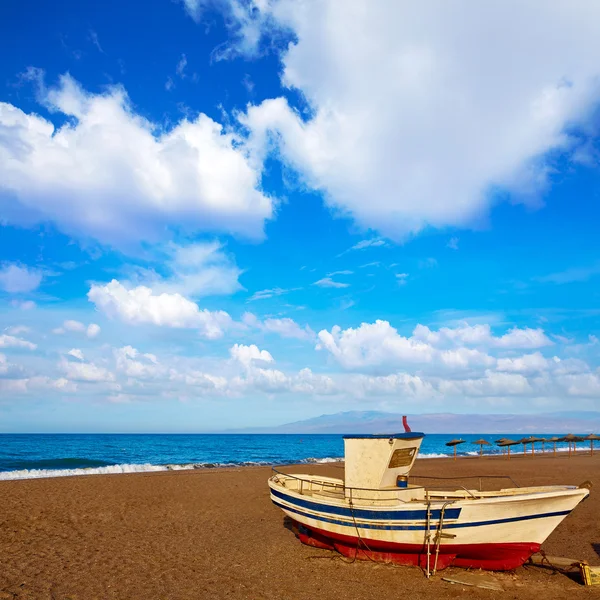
{"x": 91, "y": 331}
{"x": 481, "y": 335}
{"x": 420, "y": 110}
{"x": 199, "y": 269}
{"x": 133, "y": 364}
{"x": 195, "y": 176}
{"x": 76, "y": 353}
{"x": 85, "y": 371}
{"x": 285, "y": 327}
{"x": 139, "y": 305}
{"x": 32, "y": 384}
{"x": 249, "y": 355}
{"x": 10, "y": 341}
{"x": 379, "y": 345}
{"x": 17, "y": 329}
{"x": 18, "y": 279}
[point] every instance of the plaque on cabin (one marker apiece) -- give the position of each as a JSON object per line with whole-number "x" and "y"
{"x": 402, "y": 457}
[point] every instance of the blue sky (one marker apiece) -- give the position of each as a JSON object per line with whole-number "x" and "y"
{"x": 228, "y": 213}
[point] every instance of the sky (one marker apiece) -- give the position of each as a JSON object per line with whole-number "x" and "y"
{"x": 219, "y": 214}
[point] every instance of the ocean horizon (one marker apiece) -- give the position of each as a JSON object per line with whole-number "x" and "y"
{"x": 29, "y": 456}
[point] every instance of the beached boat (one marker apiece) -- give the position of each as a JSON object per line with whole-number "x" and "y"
{"x": 375, "y": 513}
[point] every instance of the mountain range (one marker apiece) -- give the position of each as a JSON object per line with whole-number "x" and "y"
{"x": 384, "y": 422}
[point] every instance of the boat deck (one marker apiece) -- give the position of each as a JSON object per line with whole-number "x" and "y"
{"x": 335, "y": 489}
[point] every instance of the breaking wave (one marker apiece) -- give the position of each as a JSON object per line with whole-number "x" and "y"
{"x": 38, "y": 473}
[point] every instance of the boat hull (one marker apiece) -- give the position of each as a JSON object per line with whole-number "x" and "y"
{"x": 494, "y": 533}
{"x": 492, "y": 557}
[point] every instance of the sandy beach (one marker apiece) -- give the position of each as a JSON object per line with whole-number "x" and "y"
{"x": 215, "y": 534}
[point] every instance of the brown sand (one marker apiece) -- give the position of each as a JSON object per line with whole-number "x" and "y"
{"x": 215, "y": 534}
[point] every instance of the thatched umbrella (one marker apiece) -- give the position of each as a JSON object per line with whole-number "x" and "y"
{"x": 481, "y": 443}
{"x": 554, "y": 440}
{"x": 591, "y": 438}
{"x": 499, "y": 442}
{"x": 453, "y": 444}
{"x": 506, "y": 443}
{"x": 524, "y": 441}
{"x": 572, "y": 439}
{"x": 543, "y": 440}
{"x": 532, "y": 440}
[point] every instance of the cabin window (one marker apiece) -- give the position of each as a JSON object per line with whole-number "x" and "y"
{"x": 402, "y": 457}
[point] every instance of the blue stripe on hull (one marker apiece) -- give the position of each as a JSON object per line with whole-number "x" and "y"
{"x": 419, "y": 527}
{"x": 361, "y": 513}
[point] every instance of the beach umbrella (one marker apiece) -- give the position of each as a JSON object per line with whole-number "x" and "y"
{"x": 572, "y": 439}
{"x": 507, "y": 443}
{"x": 453, "y": 444}
{"x": 481, "y": 443}
{"x": 499, "y": 442}
{"x": 554, "y": 440}
{"x": 524, "y": 441}
{"x": 543, "y": 440}
{"x": 591, "y": 438}
{"x": 532, "y": 440}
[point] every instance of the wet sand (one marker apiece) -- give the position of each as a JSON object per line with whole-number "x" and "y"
{"x": 215, "y": 534}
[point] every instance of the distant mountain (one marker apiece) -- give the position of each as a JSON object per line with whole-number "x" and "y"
{"x": 383, "y": 422}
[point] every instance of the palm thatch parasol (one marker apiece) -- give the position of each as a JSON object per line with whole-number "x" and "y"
{"x": 524, "y": 441}
{"x": 499, "y": 441}
{"x": 554, "y": 440}
{"x": 591, "y": 438}
{"x": 507, "y": 443}
{"x": 532, "y": 440}
{"x": 543, "y": 440}
{"x": 481, "y": 443}
{"x": 453, "y": 444}
{"x": 572, "y": 439}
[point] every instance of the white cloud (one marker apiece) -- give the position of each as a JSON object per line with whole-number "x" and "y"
{"x": 17, "y": 329}
{"x": 379, "y": 345}
{"x": 133, "y": 364}
{"x": 285, "y": 327}
{"x": 76, "y": 353}
{"x": 264, "y": 294}
{"x": 82, "y": 371}
{"x": 32, "y": 384}
{"x": 24, "y": 305}
{"x": 481, "y": 335}
{"x": 344, "y": 272}
{"x": 288, "y": 328}
{"x": 140, "y": 305}
{"x": 181, "y": 65}
{"x": 401, "y": 278}
{"x": 91, "y": 331}
{"x": 419, "y": 110}
{"x": 330, "y": 283}
{"x": 249, "y": 355}
{"x": 194, "y": 176}
{"x": 10, "y": 341}
{"x": 74, "y": 326}
{"x": 18, "y": 279}
{"x": 373, "y": 345}
{"x": 372, "y": 243}
{"x": 198, "y": 270}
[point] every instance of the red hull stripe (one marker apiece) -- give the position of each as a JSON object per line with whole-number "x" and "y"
{"x": 500, "y": 556}
{"x": 417, "y": 527}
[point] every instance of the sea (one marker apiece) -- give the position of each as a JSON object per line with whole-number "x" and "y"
{"x": 27, "y": 456}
